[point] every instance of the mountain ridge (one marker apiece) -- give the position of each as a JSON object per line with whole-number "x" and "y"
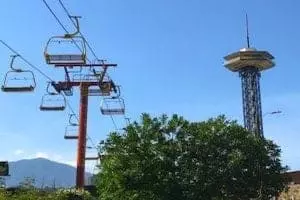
{"x": 44, "y": 172}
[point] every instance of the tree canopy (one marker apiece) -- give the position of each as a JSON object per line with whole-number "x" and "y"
{"x": 171, "y": 158}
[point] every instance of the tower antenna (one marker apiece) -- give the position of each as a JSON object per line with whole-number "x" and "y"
{"x": 247, "y": 30}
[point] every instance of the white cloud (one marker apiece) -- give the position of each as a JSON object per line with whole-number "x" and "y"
{"x": 56, "y": 157}
{"x": 70, "y": 162}
{"x": 41, "y": 155}
{"x": 18, "y": 152}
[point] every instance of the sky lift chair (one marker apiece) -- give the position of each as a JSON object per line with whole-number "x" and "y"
{"x": 104, "y": 89}
{"x": 105, "y": 86}
{"x": 18, "y": 80}
{"x": 61, "y": 58}
{"x": 113, "y": 106}
{"x": 91, "y": 158}
{"x": 53, "y": 101}
{"x": 71, "y": 132}
{"x": 66, "y": 88}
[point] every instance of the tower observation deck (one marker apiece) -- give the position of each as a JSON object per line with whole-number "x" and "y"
{"x": 249, "y": 63}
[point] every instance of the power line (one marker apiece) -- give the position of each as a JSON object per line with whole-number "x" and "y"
{"x": 26, "y": 61}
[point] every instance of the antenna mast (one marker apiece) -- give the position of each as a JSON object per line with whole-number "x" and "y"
{"x": 247, "y": 29}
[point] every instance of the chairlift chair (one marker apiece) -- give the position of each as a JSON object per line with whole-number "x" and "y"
{"x": 61, "y": 58}
{"x": 106, "y": 87}
{"x": 18, "y": 80}
{"x": 105, "y": 90}
{"x": 113, "y": 106}
{"x": 53, "y": 101}
{"x": 71, "y": 132}
{"x": 66, "y": 88}
{"x": 65, "y": 43}
{"x": 91, "y": 158}
{"x": 68, "y": 92}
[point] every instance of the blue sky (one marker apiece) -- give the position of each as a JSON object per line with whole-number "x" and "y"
{"x": 170, "y": 56}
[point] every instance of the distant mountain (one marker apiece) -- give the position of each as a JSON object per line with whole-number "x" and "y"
{"x": 44, "y": 172}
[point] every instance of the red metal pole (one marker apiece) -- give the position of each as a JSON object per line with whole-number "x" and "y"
{"x": 82, "y": 136}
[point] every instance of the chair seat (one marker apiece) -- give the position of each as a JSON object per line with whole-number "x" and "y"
{"x": 17, "y": 89}
{"x": 52, "y": 108}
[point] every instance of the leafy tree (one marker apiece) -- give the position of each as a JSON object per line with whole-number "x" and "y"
{"x": 35, "y": 194}
{"x": 162, "y": 159}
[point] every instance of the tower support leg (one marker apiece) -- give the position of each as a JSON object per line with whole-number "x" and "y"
{"x": 80, "y": 176}
{"x": 252, "y": 100}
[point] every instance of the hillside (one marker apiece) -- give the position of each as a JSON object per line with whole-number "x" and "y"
{"x": 45, "y": 172}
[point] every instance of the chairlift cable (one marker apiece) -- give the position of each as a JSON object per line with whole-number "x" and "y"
{"x": 61, "y": 24}
{"x": 113, "y": 120}
{"x": 89, "y": 46}
{"x": 55, "y": 16}
{"x": 47, "y": 77}
{"x": 26, "y": 61}
{"x": 69, "y": 16}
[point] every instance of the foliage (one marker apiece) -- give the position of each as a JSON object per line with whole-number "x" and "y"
{"x": 73, "y": 194}
{"x": 293, "y": 192}
{"x": 162, "y": 159}
{"x": 35, "y": 194}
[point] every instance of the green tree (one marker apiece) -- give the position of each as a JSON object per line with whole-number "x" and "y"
{"x": 35, "y": 194}
{"x": 163, "y": 159}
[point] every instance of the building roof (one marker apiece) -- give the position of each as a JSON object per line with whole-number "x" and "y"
{"x": 294, "y": 177}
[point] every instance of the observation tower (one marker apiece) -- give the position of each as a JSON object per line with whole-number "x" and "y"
{"x": 249, "y": 63}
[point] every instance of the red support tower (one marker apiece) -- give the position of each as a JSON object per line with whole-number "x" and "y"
{"x": 82, "y": 135}
{"x": 92, "y": 82}
{"x": 105, "y": 87}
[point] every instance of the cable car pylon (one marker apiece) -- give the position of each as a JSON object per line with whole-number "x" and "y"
{"x": 96, "y": 78}
{"x": 91, "y": 83}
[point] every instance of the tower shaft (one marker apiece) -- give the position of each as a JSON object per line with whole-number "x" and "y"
{"x": 252, "y": 110}
{"x": 82, "y": 135}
